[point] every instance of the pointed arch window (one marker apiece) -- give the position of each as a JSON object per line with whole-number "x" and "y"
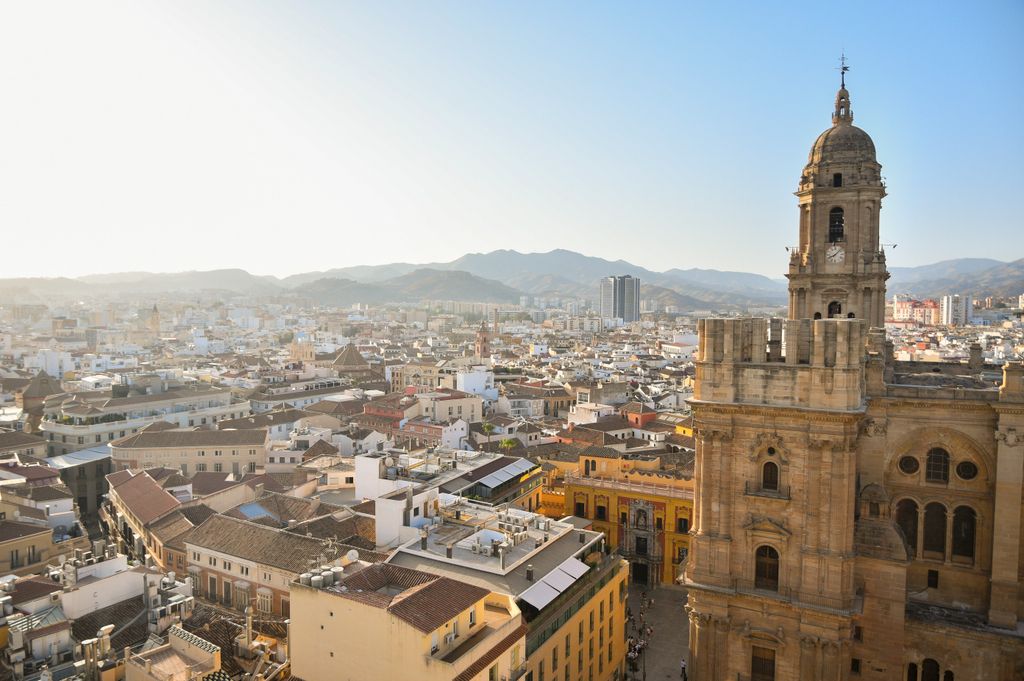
{"x": 836, "y": 225}
{"x": 929, "y": 670}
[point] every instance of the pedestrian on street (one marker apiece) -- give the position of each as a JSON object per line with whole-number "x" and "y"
{"x": 682, "y": 669}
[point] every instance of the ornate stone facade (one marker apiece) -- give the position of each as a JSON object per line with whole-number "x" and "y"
{"x": 854, "y": 517}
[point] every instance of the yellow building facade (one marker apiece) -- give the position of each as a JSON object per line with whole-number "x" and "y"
{"x": 388, "y": 622}
{"x": 645, "y": 514}
{"x": 582, "y": 635}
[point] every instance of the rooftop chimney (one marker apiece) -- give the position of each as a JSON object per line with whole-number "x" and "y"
{"x": 529, "y": 573}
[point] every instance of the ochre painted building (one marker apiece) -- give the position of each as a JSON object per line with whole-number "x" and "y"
{"x": 646, "y": 515}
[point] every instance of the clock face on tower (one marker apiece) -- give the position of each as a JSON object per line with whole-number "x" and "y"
{"x": 835, "y": 254}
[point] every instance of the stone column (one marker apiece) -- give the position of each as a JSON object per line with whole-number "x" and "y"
{"x": 1006, "y": 527}
{"x": 700, "y": 654}
{"x": 725, "y": 492}
{"x": 949, "y": 536}
{"x": 720, "y": 655}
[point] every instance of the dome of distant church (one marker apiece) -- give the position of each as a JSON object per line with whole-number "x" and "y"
{"x": 843, "y": 142}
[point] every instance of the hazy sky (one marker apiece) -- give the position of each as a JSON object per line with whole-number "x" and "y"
{"x": 291, "y": 136}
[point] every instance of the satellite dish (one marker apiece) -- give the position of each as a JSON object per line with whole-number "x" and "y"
{"x": 352, "y": 555}
{"x": 389, "y": 462}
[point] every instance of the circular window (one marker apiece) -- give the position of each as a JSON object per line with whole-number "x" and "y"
{"x": 771, "y": 451}
{"x": 909, "y": 465}
{"x": 967, "y": 470}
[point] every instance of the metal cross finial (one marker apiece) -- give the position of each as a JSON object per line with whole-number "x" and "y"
{"x": 843, "y": 68}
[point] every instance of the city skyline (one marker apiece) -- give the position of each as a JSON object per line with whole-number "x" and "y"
{"x": 214, "y": 131}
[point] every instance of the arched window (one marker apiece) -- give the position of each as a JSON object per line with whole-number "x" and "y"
{"x": 937, "y": 465}
{"x": 817, "y": 315}
{"x": 929, "y": 670}
{"x": 906, "y": 519}
{"x": 770, "y": 477}
{"x": 766, "y": 568}
{"x": 835, "y": 225}
{"x": 964, "y": 523}
{"x": 835, "y": 309}
{"x": 947, "y": 676}
{"x": 911, "y": 672}
{"x": 935, "y": 528}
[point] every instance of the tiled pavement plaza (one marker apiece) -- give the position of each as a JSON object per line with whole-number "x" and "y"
{"x": 668, "y": 645}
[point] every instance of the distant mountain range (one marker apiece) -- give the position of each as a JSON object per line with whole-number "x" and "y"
{"x": 503, "y": 276}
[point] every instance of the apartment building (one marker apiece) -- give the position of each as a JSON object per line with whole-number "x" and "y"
{"x": 419, "y": 625}
{"x": 570, "y": 589}
{"x": 235, "y": 562}
{"x": 193, "y": 451}
{"x": 74, "y": 421}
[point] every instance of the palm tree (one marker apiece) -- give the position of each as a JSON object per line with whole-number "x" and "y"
{"x": 508, "y": 444}
{"x": 488, "y": 428}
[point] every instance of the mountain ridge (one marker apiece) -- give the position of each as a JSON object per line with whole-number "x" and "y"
{"x": 504, "y": 275}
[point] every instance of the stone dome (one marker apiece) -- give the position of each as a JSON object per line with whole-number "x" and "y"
{"x": 843, "y": 142}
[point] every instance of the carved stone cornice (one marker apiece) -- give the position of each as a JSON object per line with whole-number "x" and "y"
{"x": 801, "y": 413}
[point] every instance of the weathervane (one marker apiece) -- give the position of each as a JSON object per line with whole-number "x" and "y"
{"x": 843, "y": 68}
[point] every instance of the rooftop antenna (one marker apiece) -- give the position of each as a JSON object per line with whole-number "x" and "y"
{"x": 843, "y": 68}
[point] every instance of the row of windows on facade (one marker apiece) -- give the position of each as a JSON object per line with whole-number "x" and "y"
{"x": 908, "y": 519}
{"x": 218, "y": 467}
{"x": 936, "y": 469}
{"x": 218, "y": 452}
{"x": 33, "y": 556}
{"x": 228, "y": 595}
{"x": 766, "y": 570}
{"x": 113, "y": 433}
{"x": 567, "y": 652}
{"x": 228, "y": 566}
{"x": 640, "y": 518}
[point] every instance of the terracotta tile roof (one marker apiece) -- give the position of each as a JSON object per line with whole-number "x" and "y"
{"x": 192, "y": 438}
{"x": 145, "y": 498}
{"x": 15, "y": 439}
{"x": 131, "y": 626}
{"x": 32, "y": 588}
{"x": 208, "y": 482}
{"x": 320, "y": 448}
{"x": 42, "y": 492}
{"x": 260, "y": 544}
{"x": 269, "y": 418}
{"x": 33, "y": 473}
{"x": 12, "y": 529}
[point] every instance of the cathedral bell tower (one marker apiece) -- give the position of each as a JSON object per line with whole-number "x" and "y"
{"x": 838, "y": 268}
